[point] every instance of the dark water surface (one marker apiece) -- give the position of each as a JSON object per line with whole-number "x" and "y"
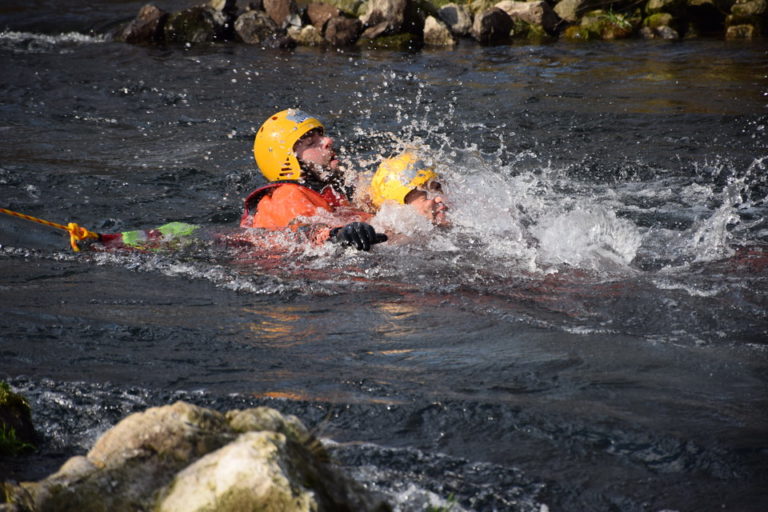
{"x": 591, "y": 334}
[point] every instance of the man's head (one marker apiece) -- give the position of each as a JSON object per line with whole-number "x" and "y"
{"x": 291, "y": 145}
{"x": 406, "y": 179}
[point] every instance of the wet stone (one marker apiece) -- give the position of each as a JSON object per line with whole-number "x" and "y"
{"x": 254, "y": 27}
{"x": 342, "y": 31}
{"x": 457, "y": 18}
{"x": 320, "y": 13}
{"x": 147, "y": 27}
{"x": 492, "y": 27}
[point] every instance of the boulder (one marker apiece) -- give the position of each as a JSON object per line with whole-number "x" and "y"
{"x": 659, "y": 32}
{"x": 571, "y": 10}
{"x": 319, "y": 13}
{"x": 147, "y": 27}
{"x": 676, "y": 7}
{"x": 254, "y": 27}
{"x": 308, "y": 35}
{"x": 457, "y": 18}
{"x": 352, "y": 8}
{"x": 343, "y": 31}
{"x": 436, "y": 33}
{"x": 184, "y": 457}
{"x": 600, "y": 24}
{"x": 492, "y": 27}
{"x": 16, "y": 431}
{"x": 749, "y": 8}
{"x": 197, "y": 25}
{"x": 537, "y": 13}
{"x": 390, "y": 12}
{"x": 742, "y": 31}
{"x": 375, "y": 31}
{"x": 281, "y": 11}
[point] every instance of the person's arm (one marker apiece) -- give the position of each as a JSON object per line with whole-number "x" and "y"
{"x": 288, "y": 208}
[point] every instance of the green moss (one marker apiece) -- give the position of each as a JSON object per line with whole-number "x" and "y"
{"x": 601, "y": 24}
{"x": 529, "y": 32}
{"x": 10, "y": 444}
{"x": 15, "y": 409}
{"x": 10, "y": 399}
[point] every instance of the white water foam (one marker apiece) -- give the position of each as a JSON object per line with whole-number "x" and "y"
{"x": 29, "y": 42}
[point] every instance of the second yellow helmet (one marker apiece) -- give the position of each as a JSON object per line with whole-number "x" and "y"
{"x": 397, "y": 176}
{"x": 273, "y": 144}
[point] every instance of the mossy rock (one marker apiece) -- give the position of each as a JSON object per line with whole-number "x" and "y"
{"x": 660, "y": 19}
{"x": 748, "y": 9}
{"x": 16, "y": 431}
{"x": 194, "y": 25}
{"x": 601, "y": 24}
{"x": 522, "y": 30}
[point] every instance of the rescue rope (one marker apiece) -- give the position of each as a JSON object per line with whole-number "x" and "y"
{"x": 76, "y": 233}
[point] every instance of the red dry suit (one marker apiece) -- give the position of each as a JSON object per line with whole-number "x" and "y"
{"x": 291, "y": 205}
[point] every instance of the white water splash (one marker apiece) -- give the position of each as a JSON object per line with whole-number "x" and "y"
{"x": 29, "y": 42}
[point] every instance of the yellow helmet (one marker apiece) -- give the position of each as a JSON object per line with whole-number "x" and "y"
{"x": 397, "y": 176}
{"x": 273, "y": 145}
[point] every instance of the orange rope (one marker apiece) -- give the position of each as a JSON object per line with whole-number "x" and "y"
{"x": 76, "y": 233}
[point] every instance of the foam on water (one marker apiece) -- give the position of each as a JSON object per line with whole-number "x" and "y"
{"x": 28, "y": 42}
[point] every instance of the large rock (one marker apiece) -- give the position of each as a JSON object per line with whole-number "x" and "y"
{"x": 200, "y": 24}
{"x": 342, "y": 31}
{"x": 147, "y": 27}
{"x": 281, "y": 11}
{"x": 537, "y": 13}
{"x": 254, "y": 27}
{"x": 319, "y": 13}
{"x": 390, "y": 12}
{"x": 457, "y": 18}
{"x": 492, "y": 27}
{"x": 571, "y": 10}
{"x": 353, "y": 8}
{"x": 749, "y": 8}
{"x": 307, "y": 35}
{"x": 436, "y": 33}
{"x": 676, "y": 7}
{"x": 184, "y": 457}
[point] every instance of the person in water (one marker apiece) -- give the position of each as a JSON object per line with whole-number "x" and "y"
{"x": 408, "y": 180}
{"x": 305, "y": 192}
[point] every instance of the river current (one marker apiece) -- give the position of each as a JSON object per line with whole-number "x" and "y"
{"x": 591, "y": 333}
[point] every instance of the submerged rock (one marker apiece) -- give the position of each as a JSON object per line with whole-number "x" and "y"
{"x": 185, "y": 457}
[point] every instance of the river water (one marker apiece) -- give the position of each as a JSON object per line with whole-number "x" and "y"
{"x": 590, "y": 334}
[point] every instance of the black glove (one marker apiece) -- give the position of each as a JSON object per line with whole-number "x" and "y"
{"x": 359, "y": 234}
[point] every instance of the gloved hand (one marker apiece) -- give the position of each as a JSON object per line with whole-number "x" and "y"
{"x": 359, "y": 234}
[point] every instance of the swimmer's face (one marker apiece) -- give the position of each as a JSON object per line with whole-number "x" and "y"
{"x": 315, "y": 151}
{"x": 428, "y": 201}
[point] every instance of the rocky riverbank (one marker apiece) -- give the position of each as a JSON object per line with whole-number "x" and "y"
{"x": 185, "y": 457}
{"x": 410, "y": 24}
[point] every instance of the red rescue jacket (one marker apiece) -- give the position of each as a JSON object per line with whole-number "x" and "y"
{"x": 290, "y": 205}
